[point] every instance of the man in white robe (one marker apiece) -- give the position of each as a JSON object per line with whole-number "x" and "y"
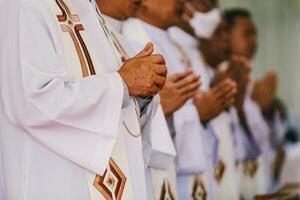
{"x": 187, "y": 125}
{"x": 158, "y": 147}
{"x": 243, "y": 41}
{"x": 227, "y": 185}
{"x": 56, "y": 129}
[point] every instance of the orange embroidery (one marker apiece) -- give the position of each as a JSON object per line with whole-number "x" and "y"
{"x": 112, "y": 183}
{"x": 67, "y": 20}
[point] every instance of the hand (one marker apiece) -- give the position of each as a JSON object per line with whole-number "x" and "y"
{"x": 145, "y": 74}
{"x": 188, "y": 11}
{"x": 178, "y": 89}
{"x": 264, "y": 91}
{"x": 240, "y": 72}
{"x": 210, "y": 104}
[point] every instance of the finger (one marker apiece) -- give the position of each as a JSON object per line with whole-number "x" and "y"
{"x": 187, "y": 80}
{"x": 188, "y": 12}
{"x": 227, "y": 93}
{"x": 221, "y": 85}
{"x": 179, "y": 76}
{"x": 229, "y": 102}
{"x": 147, "y": 51}
{"x": 193, "y": 87}
{"x": 189, "y": 95}
{"x": 157, "y": 59}
{"x": 153, "y": 91}
{"x": 228, "y": 88}
{"x": 190, "y": 8}
{"x": 161, "y": 70}
{"x": 160, "y": 81}
{"x": 123, "y": 58}
{"x": 150, "y": 91}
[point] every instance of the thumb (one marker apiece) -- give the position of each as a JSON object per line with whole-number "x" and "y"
{"x": 147, "y": 51}
{"x": 179, "y": 76}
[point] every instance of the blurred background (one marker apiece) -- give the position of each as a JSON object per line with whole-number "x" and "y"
{"x": 279, "y": 45}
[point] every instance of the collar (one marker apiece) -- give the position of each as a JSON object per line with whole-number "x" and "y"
{"x": 156, "y": 33}
{"x": 185, "y": 37}
{"x": 116, "y": 24}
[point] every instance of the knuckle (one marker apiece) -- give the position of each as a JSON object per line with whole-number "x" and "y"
{"x": 160, "y": 57}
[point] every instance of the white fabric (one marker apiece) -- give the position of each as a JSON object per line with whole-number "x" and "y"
{"x": 221, "y": 126}
{"x": 249, "y": 186}
{"x": 159, "y": 151}
{"x": 157, "y": 142}
{"x": 261, "y": 182}
{"x": 228, "y": 187}
{"x": 189, "y": 45}
{"x": 55, "y": 128}
{"x": 290, "y": 171}
{"x": 205, "y": 24}
{"x": 261, "y": 132}
{"x": 1, "y": 174}
{"x": 188, "y": 123}
{"x": 160, "y": 169}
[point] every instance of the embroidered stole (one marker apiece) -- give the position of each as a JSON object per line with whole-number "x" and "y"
{"x": 116, "y": 182}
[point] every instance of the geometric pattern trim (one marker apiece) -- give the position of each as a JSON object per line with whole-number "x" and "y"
{"x": 199, "y": 191}
{"x": 250, "y": 167}
{"x": 219, "y": 171}
{"x": 166, "y": 191}
{"x": 111, "y": 185}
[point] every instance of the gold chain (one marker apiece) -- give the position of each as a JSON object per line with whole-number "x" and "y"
{"x": 136, "y": 135}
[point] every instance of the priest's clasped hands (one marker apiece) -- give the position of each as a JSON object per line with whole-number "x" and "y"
{"x": 144, "y": 74}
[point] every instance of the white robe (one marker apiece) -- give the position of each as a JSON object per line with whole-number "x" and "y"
{"x": 290, "y": 171}
{"x": 188, "y": 131}
{"x": 221, "y": 126}
{"x": 159, "y": 151}
{"x": 161, "y": 173}
{"x": 54, "y": 129}
{"x": 261, "y": 182}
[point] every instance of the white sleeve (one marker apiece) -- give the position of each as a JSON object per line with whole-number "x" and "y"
{"x": 189, "y": 140}
{"x": 257, "y": 124}
{"x": 159, "y": 150}
{"x": 77, "y": 119}
{"x": 1, "y": 178}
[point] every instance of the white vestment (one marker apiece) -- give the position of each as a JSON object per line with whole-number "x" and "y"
{"x": 290, "y": 171}
{"x": 261, "y": 181}
{"x": 160, "y": 172}
{"x": 57, "y": 127}
{"x": 225, "y": 171}
{"x": 189, "y": 136}
{"x": 159, "y": 151}
{"x": 253, "y": 155}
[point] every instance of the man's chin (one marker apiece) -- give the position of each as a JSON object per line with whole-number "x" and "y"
{"x": 134, "y": 11}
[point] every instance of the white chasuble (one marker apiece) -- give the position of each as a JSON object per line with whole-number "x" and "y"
{"x": 159, "y": 150}
{"x": 61, "y": 106}
{"x": 226, "y": 174}
{"x": 124, "y": 177}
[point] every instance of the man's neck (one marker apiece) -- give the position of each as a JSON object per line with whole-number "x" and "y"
{"x": 208, "y": 59}
{"x": 108, "y": 10}
{"x": 187, "y": 28}
{"x": 151, "y": 20}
